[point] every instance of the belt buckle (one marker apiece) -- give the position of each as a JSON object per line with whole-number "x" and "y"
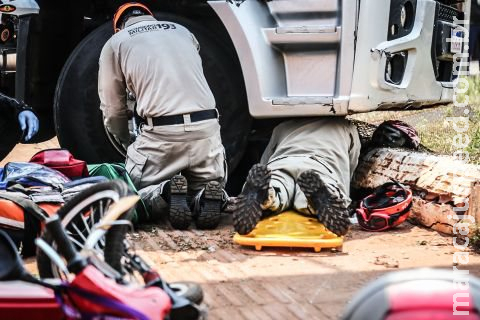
{"x": 187, "y": 119}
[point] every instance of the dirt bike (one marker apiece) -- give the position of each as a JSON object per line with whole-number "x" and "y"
{"x": 85, "y": 293}
{"x": 102, "y": 238}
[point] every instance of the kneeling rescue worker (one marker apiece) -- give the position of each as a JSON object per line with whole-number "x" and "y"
{"x": 179, "y": 140}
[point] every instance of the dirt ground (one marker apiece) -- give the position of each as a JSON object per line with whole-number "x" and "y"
{"x": 241, "y": 283}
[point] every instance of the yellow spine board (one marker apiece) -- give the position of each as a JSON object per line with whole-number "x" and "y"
{"x": 290, "y": 229}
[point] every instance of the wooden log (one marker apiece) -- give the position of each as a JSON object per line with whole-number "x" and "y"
{"x": 474, "y": 203}
{"x": 440, "y": 183}
{"x": 433, "y": 215}
{"x": 439, "y": 178}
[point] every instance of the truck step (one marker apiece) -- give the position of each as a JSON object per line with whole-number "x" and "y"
{"x": 303, "y": 35}
{"x": 297, "y": 6}
{"x": 302, "y": 100}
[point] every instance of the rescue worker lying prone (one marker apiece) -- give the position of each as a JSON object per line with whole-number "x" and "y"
{"x": 159, "y": 62}
{"x": 307, "y": 166}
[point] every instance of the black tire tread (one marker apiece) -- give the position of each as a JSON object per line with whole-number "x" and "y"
{"x": 114, "y": 245}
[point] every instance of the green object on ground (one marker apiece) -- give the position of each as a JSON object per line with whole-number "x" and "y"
{"x": 117, "y": 171}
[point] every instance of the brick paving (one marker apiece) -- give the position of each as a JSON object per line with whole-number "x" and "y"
{"x": 241, "y": 283}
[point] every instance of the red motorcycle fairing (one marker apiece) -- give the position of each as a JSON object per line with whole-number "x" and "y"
{"x": 21, "y": 300}
{"x": 152, "y": 302}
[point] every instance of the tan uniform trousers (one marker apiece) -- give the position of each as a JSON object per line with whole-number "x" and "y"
{"x": 195, "y": 150}
{"x": 286, "y": 170}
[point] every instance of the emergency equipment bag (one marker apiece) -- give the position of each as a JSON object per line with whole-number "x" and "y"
{"x": 61, "y": 160}
{"x": 23, "y": 219}
{"x": 31, "y": 174}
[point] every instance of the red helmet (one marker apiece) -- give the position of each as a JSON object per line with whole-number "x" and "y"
{"x": 125, "y": 9}
{"x": 386, "y": 208}
{"x": 417, "y": 294}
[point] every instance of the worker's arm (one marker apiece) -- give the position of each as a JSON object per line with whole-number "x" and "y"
{"x": 27, "y": 119}
{"x": 112, "y": 93}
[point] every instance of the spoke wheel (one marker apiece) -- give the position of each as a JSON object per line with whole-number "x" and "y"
{"x": 79, "y": 215}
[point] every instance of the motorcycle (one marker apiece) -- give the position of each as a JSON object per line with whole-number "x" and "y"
{"x": 90, "y": 288}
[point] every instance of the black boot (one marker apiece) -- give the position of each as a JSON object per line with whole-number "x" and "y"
{"x": 180, "y": 215}
{"x": 248, "y": 212}
{"x": 329, "y": 206}
{"x": 211, "y": 204}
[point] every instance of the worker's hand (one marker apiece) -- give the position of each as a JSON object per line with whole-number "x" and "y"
{"x": 28, "y": 123}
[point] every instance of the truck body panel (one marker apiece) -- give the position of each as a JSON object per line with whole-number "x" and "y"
{"x": 307, "y": 58}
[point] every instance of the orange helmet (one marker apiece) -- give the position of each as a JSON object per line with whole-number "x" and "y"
{"x": 124, "y": 9}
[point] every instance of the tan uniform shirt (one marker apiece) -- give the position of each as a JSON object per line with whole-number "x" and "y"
{"x": 158, "y": 61}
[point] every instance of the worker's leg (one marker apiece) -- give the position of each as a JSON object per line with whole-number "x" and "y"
{"x": 354, "y": 149}
{"x": 152, "y": 161}
{"x": 161, "y": 153}
{"x": 320, "y": 194}
{"x": 248, "y": 208}
{"x": 473, "y": 41}
{"x": 265, "y": 192}
{"x": 282, "y": 185}
{"x": 156, "y": 199}
{"x": 298, "y": 200}
{"x": 206, "y": 163}
{"x": 207, "y": 174}
{"x": 153, "y": 158}
{"x": 324, "y": 190}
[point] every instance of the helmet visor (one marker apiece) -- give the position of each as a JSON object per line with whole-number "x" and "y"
{"x": 374, "y": 221}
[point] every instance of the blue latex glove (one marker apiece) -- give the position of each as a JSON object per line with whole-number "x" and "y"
{"x": 28, "y": 123}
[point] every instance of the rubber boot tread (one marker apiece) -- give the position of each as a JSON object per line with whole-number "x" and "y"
{"x": 248, "y": 211}
{"x": 329, "y": 207}
{"x": 210, "y": 214}
{"x": 180, "y": 215}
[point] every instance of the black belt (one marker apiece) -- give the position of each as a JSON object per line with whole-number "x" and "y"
{"x": 179, "y": 118}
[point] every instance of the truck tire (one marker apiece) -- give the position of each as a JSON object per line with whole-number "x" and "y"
{"x": 78, "y": 119}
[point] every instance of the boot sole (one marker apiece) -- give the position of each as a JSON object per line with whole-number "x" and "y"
{"x": 332, "y": 215}
{"x": 248, "y": 211}
{"x": 179, "y": 214}
{"x": 210, "y": 215}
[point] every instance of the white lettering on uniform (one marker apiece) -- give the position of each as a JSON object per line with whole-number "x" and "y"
{"x": 152, "y": 27}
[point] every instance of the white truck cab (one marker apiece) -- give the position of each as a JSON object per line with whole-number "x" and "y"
{"x": 337, "y": 57}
